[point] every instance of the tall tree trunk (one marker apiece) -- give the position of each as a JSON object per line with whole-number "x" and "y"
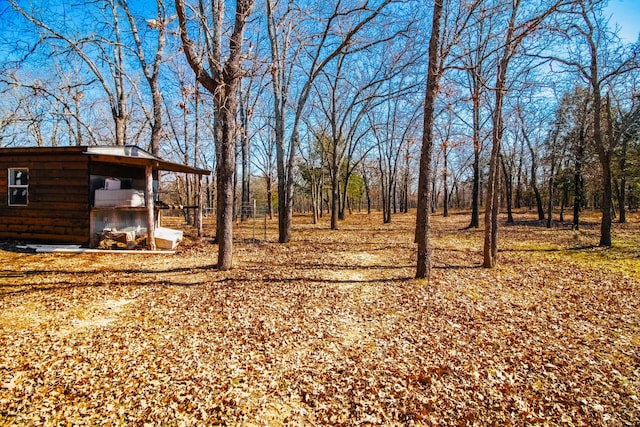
{"x": 156, "y": 126}
{"x": 120, "y": 128}
{"x": 475, "y": 195}
{"x": 491, "y": 205}
{"x": 365, "y": 180}
{"x": 394, "y": 195}
{"x": 518, "y": 196}
{"x": 622, "y": 200}
{"x": 552, "y": 183}
{"x": 578, "y": 196}
{"x": 284, "y": 215}
{"x": 245, "y": 152}
{"x": 269, "y": 195}
{"x": 550, "y": 202}
{"x": 225, "y": 175}
{"x": 335, "y": 200}
{"x": 222, "y": 82}
{"x": 475, "y": 97}
{"x": 120, "y": 107}
{"x": 623, "y": 181}
{"x": 76, "y": 99}
{"x": 344, "y": 196}
{"x": 604, "y": 155}
{"x": 578, "y": 183}
{"x": 235, "y": 189}
{"x": 386, "y": 204}
{"x": 512, "y": 41}
{"x": 508, "y": 187}
{"x": 196, "y": 156}
{"x": 434, "y": 195}
{"x": 280, "y": 96}
{"x": 406, "y": 192}
{"x": 534, "y": 182}
{"x": 565, "y": 199}
{"x": 422, "y": 234}
{"x": 445, "y": 185}
{"x": 490, "y": 247}
{"x": 607, "y": 201}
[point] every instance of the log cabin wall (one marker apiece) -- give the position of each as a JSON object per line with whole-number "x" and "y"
{"x": 58, "y": 195}
{"x": 57, "y": 205}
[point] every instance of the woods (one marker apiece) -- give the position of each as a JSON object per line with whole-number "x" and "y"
{"x": 423, "y": 213}
{"x": 321, "y": 108}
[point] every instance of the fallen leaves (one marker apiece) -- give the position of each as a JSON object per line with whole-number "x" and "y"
{"x": 328, "y": 330}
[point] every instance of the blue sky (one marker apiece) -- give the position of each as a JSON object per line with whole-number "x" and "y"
{"x": 626, "y": 13}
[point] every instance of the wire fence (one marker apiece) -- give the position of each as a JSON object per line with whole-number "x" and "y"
{"x": 251, "y": 220}
{"x": 254, "y": 216}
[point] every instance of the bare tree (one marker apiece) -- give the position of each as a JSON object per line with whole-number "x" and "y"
{"x": 221, "y": 78}
{"x": 517, "y": 30}
{"x": 250, "y": 93}
{"x": 94, "y": 51}
{"x": 598, "y": 62}
{"x": 151, "y": 70}
{"x": 441, "y": 41}
{"x": 393, "y": 125}
{"x": 574, "y": 115}
{"x": 422, "y": 237}
{"x": 554, "y": 151}
{"x": 624, "y": 127}
{"x": 62, "y": 93}
{"x": 347, "y": 92}
{"x": 336, "y": 37}
{"x": 447, "y": 144}
{"x": 263, "y": 159}
{"x": 475, "y": 59}
{"x": 316, "y": 161}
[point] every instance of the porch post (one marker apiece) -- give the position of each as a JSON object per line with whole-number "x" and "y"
{"x": 148, "y": 173}
{"x": 199, "y": 203}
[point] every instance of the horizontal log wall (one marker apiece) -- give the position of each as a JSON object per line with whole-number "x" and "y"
{"x": 58, "y": 207}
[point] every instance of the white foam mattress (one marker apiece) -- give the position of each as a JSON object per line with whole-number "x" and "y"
{"x": 118, "y": 198}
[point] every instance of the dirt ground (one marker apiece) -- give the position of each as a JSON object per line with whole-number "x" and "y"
{"x": 330, "y": 329}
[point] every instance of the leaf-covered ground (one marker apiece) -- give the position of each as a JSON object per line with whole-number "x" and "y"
{"x": 330, "y": 329}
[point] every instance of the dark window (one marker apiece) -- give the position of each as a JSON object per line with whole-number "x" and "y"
{"x": 18, "y": 186}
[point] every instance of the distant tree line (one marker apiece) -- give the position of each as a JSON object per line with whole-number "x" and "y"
{"x": 330, "y": 107}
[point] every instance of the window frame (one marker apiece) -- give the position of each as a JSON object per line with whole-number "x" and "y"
{"x": 11, "y": 185}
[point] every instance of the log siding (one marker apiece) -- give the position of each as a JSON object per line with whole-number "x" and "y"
{"x": 58, "y": 205}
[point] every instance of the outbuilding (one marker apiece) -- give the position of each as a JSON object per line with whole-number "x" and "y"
{"x": 75, "y": 194}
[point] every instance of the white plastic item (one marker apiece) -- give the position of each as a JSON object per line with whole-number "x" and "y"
{"x": 167, "y": 238}
{"x": 111, "y": 184}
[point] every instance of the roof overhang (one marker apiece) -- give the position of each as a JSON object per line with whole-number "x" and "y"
{"x": 134, "y": 156}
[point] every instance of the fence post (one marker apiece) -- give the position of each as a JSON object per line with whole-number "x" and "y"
{"x": 253, "y": 214}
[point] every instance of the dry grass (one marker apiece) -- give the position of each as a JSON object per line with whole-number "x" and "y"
{"x": 330, "y": 329}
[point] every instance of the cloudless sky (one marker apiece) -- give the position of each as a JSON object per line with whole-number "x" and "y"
{"x": 626, "y": 14}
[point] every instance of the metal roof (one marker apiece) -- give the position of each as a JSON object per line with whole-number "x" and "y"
{"x": 122, "y": 155}
{"x": 135, "y": 156}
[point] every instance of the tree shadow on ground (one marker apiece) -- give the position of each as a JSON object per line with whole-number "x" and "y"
{"x": 575, "y": 248}
{"x": 542, "y": 223}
